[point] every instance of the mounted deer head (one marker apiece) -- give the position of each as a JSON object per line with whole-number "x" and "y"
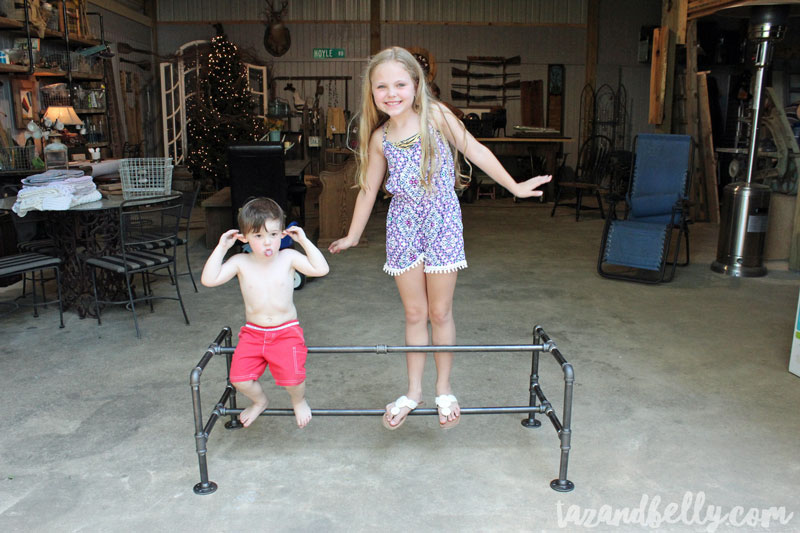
{"x": 276, "y": 35}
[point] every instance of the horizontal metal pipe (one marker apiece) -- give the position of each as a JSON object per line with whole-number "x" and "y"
{"x": 380, "y": 412}
{"x": 382, "y": 349}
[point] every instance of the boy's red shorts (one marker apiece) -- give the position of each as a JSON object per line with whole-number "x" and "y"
{"x": 282, "y": 347}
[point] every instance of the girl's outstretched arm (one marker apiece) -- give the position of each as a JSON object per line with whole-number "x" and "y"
{"x": 376, "y": 170}
{"x": 480, "y": 155}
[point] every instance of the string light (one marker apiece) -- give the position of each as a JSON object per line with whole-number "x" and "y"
{"x": 220, "y": 113}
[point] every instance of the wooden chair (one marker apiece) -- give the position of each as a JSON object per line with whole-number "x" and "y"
{"x": 589, "y": 173}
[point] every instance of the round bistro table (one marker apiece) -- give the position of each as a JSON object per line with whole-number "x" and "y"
{"x": 82, "y": 232}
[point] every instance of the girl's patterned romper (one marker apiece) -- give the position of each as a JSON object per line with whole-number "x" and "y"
{"x": 422, "y": 226}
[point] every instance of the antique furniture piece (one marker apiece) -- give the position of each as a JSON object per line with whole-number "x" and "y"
{"x": 336, "y": 202}
{"x": 534, "y": 148}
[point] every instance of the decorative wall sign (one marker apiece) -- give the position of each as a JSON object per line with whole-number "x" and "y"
{"x": 328, "y": 53}
{"x": 26, "y": 105}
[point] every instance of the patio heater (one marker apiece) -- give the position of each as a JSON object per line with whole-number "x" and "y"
{"x": 745, "y": 205}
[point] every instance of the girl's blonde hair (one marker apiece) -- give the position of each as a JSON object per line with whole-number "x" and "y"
{"x": 371, "y": 118}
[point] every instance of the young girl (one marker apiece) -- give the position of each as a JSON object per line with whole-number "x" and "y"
{"x": 403, "y": 128}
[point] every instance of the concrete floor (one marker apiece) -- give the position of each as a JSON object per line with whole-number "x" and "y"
{"x": 682, "y": 393}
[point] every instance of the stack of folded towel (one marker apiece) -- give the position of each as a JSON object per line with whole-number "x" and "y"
{"x": 55, "y": 190}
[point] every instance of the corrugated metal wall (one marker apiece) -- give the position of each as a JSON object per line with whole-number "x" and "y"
{"x": 540, "y": 31}
{"x": 478, "y": 11}
{"x": 537, "y": 49}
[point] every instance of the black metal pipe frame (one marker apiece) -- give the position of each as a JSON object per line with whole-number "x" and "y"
{"x": 28, "y": 35}
{"x": 538, "y": 403}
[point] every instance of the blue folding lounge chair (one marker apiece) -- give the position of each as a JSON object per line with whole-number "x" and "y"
{"x": 637, "y": 248}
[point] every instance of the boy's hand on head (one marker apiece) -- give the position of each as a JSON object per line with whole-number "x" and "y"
{"x": 228, "y": 238}
{"x": 527, "y": 189}
{"x": 295, "y": 232}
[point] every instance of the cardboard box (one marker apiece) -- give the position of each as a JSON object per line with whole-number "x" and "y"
{"x": 794, "y": 357}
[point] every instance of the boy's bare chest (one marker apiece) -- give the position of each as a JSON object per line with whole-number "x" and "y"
{"x": 272, "y": 276}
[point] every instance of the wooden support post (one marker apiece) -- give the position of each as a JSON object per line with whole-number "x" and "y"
{"x": 667, "y": 56}
{"x": 697, "y": 193}
{"x": 592, "y": 42}
{"x": 374, "y": 26}
{"x": 662, "y": 74}
{"x": 794, "y": 247}
{"x": 117, "y": 130}
{"x": 658, "y": 67}
{"x": 707, "y": 144}
{"x": 680, "y": 8}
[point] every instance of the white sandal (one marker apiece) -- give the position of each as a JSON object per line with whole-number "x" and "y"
{"x": 400, "y": 403}
{"x": 443, "y": 403}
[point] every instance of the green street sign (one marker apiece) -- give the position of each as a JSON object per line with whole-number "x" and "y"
{"x": 328, "y": 53}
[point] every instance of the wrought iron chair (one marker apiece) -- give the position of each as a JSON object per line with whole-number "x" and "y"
{"x": 142, "y": 222}
{"x": 32, "y": 239}
{"x": 188, "y": 200}
{"x": 25, "y": 263}
{"x": 589, "y": 173}
{"x": 637, "y": 248}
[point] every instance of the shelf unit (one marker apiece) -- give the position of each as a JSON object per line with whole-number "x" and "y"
{"x": 77, "y": 82}
{"x": 13, "y": 24}
{"x": 485, "y": 87}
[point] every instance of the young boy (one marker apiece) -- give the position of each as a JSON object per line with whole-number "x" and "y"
{"x": 272, "y": 335}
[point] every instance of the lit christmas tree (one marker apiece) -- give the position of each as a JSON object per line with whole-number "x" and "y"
{"x": 220, "y": 113}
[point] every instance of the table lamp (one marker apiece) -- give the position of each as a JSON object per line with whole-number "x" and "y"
{"x": 55, "y": 153}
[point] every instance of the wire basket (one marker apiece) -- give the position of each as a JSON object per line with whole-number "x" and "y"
{"x": 145, "y": 176}
{"x": 17, "y": 158}
{"x": 55, "y": 94}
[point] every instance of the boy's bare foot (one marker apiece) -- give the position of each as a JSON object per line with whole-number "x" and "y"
{"x": 247, "y": 416}
{"x": 302, "y": 412}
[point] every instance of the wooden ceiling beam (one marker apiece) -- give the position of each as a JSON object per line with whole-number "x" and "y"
{"x": 703, "y": 8}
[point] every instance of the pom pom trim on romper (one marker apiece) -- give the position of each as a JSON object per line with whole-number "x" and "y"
{"x": 444, "y": 269}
